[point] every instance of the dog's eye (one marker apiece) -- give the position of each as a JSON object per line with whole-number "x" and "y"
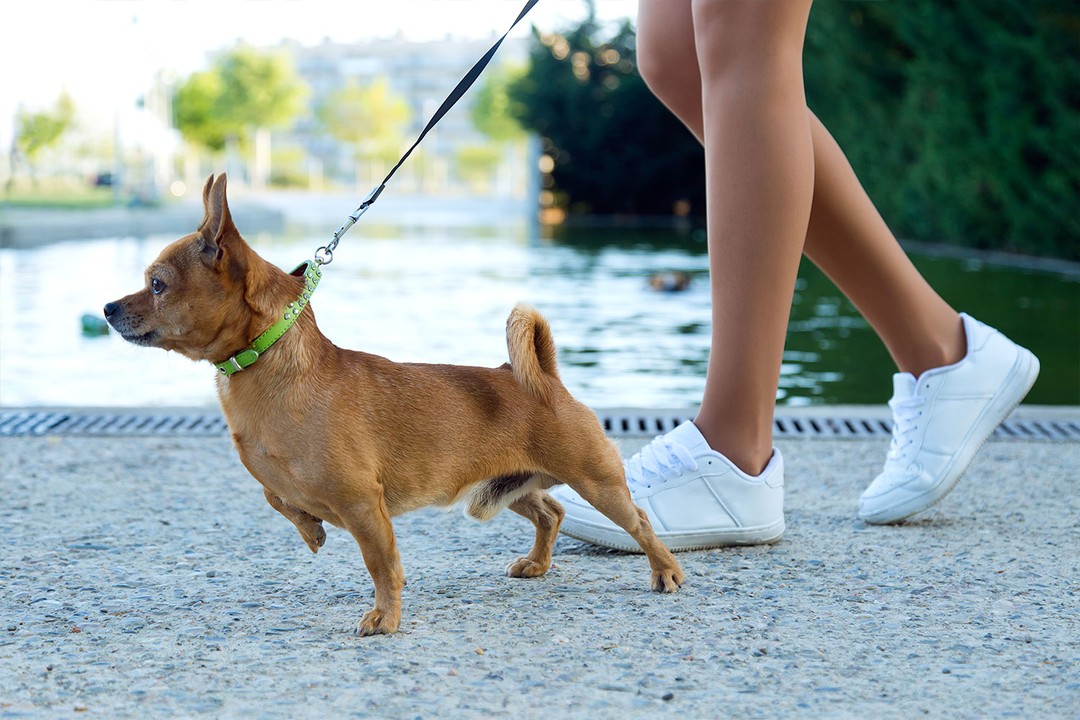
{"x": 156, "y": 286}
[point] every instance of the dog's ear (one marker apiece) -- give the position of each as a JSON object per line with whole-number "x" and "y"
{"x": 206, "y": 203}
{"x": 217, "y": 226}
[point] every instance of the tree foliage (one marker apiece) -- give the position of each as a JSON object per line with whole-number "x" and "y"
{"x": 962, "y": 119}
{"x": 245, "y": 89}
{"x": 38, "y": 130}
{"x": 491, "y": 108}
{"x": 615, "y": 148}
{"x": 372, "y": 118}
{"x": 195, "y": 106}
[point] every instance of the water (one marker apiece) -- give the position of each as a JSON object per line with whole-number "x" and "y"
{"x": 442, "y": 295}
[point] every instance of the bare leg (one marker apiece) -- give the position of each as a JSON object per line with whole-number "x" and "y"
{"x": 844, "y": 234}
{"x": 850, "y": 242}
{"x": 760, "y": 179}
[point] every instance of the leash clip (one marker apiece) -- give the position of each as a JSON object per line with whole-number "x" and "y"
{"x": 325, "y": 254}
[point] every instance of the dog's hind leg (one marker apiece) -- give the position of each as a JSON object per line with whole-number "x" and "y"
{"x": 616, "y": 504}
{"x": 310, "y": 527}
{"x": 601, "y": 481}
{"x": 546, "y": 515}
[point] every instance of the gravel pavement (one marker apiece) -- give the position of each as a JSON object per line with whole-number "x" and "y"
{"x": 147, "y": 577}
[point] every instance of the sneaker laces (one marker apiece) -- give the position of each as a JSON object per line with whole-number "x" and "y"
{"x": 906, "y": 414}
{"x": 656, "y": 463}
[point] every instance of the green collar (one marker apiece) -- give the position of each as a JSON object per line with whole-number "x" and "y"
{"x": 245, "y": 358}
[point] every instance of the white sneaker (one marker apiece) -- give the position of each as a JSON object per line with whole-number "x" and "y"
{"x": 941, "y": 420}
{"x": 695, "y": 498}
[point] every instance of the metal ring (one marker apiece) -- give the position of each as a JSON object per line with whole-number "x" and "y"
{"x": 324, "y": 255}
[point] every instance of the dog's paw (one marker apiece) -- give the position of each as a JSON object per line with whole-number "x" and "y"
{"x": 525, "y": 568}
{"x": 667, "y": 580}
{"x": 376, "y": 622}
{"x": 315, "y": 537}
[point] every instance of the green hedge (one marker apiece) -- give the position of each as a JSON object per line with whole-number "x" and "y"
{"x": 961, "y": 118}
{"x": 616, "y": 149}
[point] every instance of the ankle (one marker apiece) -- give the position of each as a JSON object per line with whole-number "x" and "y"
{"x": 946, "y": 348}
{"x": 749, "y": 454}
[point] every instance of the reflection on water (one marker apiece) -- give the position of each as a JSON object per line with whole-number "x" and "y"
{"x": 428, "y": 295}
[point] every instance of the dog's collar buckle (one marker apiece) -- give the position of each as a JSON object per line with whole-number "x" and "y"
{"x": 234, "y": 363}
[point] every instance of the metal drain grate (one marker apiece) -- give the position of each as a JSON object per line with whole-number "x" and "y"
{"x": 637, "y": 424}
{"x": 110, "y": 424}
{"x": 625, "y": 424}
{"x": 645, "y": 424}
{"x": 23, "y": 423}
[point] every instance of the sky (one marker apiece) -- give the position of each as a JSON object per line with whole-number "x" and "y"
{"x": 104, "y": 52}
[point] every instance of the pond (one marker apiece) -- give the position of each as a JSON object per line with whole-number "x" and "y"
{"x": 442, "y": 295}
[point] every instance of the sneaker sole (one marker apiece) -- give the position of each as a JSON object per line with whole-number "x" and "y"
{"x": 1022, "y": 376}
{"x": 680, "y": 542}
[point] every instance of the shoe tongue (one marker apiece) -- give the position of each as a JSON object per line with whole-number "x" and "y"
{"x": 689, "y": 437}
{"x": 903, "y": 385}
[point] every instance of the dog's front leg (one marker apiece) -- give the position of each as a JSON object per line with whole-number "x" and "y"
{"x": 369, "y": 523}
{"x": 310, "y": 527}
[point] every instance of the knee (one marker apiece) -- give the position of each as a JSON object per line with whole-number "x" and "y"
{"x": 667, "y": 62}
{"x": 658, "y": 61}
{"x": 732, "y": 35}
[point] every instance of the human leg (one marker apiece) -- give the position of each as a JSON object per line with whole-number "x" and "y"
{"x": 759, "y": 181}
{"x": 718, "y": 481}
{"x": 975, "y": 375}
{"x": 850, "y": 242}
{"x": 679, "y": 480}
{"x": 958, "y": 379}
{"x": 846, "y": 236}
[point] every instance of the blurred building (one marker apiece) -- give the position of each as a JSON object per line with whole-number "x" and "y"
{"x": 423, "y": 74}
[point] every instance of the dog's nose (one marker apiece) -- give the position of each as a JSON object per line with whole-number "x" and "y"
{"x": 110, "y": 309}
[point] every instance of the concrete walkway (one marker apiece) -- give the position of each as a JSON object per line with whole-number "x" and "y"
{"x": 147, "y": 577}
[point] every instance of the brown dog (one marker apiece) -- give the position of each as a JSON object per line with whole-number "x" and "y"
{"x": 355, "y": 439}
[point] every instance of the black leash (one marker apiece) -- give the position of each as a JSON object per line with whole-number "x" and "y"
{"x": 325, "y": 254}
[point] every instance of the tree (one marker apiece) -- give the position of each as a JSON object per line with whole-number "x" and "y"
{"x": 198, "y": 118}
{"x": 40, "y": 130}
{"x": 371, "y": 118}
{"x": 260, "y": 89}
{"x": 962, "y": 119}
{"x": 245, "y": 89}
{"x": 612, "y": 147}
{"x": 491, "y": 109}
{"x": 492, "y": 116}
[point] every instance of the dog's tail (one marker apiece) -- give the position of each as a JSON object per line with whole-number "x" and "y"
{"x": 532, "y": 351}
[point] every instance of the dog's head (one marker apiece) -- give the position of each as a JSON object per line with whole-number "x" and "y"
{"x": 202, "y": 294}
